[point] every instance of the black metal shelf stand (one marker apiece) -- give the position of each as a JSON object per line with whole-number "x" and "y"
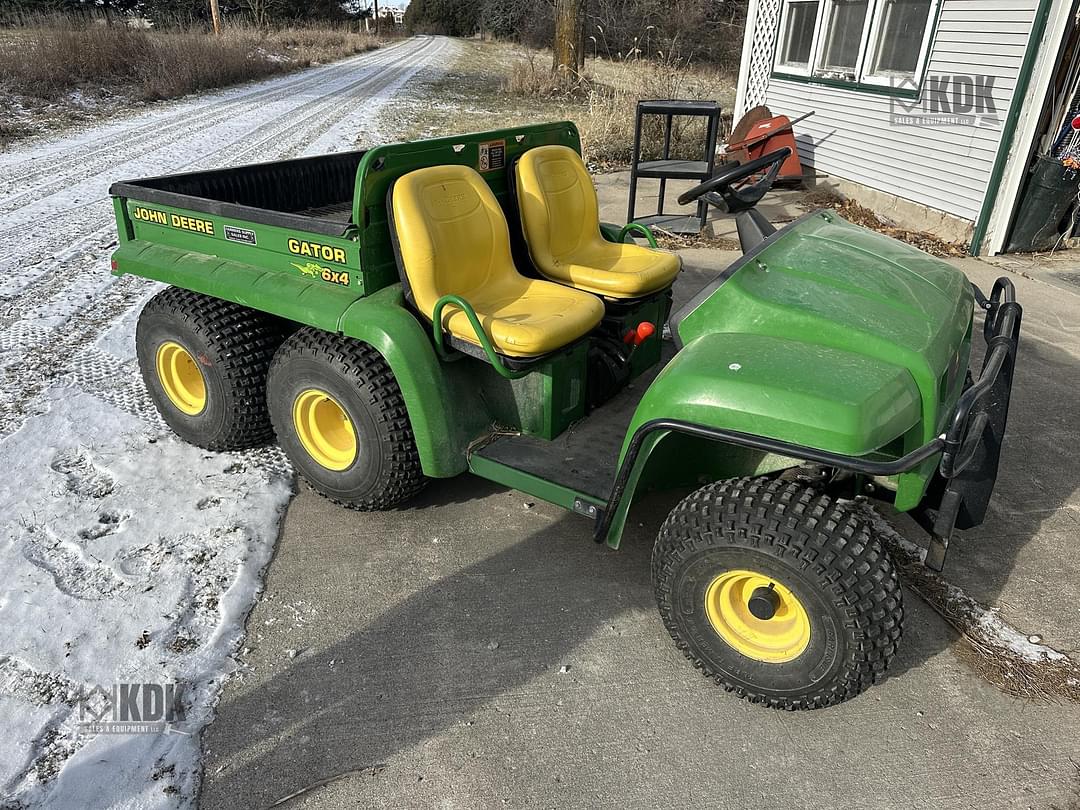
{"x": 668, "y": 168}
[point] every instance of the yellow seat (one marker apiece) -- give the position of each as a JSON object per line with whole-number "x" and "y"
{"x": 453, "y": 239}
{"x": 561, "y": 220}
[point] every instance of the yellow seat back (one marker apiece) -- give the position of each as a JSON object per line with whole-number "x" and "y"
{"x": 561, "y": 220}
{"x": 452, "y": 234}
{"x": 453, "y": 239}
{"x": 559, "y": 211}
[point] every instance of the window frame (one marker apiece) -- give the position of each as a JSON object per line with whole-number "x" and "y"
{"x": 795, "y": 69}
{"x": 886, "y": 80}
{"x": 829, "y": 6}
{"x": 863, "y": 81}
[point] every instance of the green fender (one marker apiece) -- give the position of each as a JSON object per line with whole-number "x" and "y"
{"x": 380, "y": 319}
{"x": 814, "y": 396}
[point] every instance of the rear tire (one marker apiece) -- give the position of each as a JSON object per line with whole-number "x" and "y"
{"x": 836, "y": 610}
{"x": 204, "y": 361}
{"x": 340, "y": 417}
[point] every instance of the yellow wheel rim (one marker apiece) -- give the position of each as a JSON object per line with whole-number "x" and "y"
{"x": 324, "y": 429}
{"x": 181, "y": 378}
{"x": 783, "y": 637}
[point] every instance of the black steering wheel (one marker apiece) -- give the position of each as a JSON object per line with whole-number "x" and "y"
{"x": 718, "y": 190}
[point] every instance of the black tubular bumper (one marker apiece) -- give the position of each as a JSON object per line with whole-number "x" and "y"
{"x": 969, "y": 447}
{"x": 961, "y": 491}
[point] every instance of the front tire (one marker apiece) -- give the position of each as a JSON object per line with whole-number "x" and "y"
{"x": 340, "y": 417}
{"x": 780, "y": 594}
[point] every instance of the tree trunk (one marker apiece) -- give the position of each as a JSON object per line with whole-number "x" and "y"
{"x": 215, "y": 13}
{"x": 582, "y": 30}
{"x": 569, "y": 56}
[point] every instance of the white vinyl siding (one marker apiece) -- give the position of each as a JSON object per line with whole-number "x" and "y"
{"x": 850, "y": 135}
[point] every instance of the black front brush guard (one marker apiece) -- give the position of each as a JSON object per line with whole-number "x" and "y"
{"x": 969, "y": 447}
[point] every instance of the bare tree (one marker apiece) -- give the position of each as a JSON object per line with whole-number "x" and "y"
{"x": 259, "y": 11}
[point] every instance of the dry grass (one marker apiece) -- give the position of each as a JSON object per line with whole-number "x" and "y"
{"x": 495, "y": 85}
{"x": 861, "y": 215}
{"x": 10, "y": 131}
{"x": 531, "y": 77}
{"x": 52, "y": 61}
{"x": 608, "y": 92}
{"x": 673, "y": 241}
{"x": 608, "y": 126}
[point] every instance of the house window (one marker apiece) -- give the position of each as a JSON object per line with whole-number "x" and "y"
{"x": 882, "y": 42}
{"x": 899, "y": 36}
{"x": 842, "y": 38}
{"x": 798, "y": 26}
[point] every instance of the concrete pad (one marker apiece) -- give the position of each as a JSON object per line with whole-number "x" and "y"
{"x": 473, "y": 651}
{"x": 1060, "y": 268}
{"x": 476, "y": 649}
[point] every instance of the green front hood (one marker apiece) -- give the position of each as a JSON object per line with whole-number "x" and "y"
{"x": 823, "y": 281}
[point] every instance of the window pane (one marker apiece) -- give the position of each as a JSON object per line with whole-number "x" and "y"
{"x": 900, "y": 36}
{"x": 798, "y": 36}
{"x": 843, "y": 36}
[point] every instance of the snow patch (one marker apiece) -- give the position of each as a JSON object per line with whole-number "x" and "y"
{"x": 104, "y": 591}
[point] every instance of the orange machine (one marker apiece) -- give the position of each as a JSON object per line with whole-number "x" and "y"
{"x": 760, "y": 132}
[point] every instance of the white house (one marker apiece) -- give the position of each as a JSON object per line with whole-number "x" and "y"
{"x": 931, "y": 107}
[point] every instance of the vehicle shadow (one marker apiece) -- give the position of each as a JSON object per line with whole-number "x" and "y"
{"x": 426, "y": 663}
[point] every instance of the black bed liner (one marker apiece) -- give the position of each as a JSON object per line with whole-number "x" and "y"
{"x": 312, "y": 194}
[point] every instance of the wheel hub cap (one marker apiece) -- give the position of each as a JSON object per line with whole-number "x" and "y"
{"x": 181, "y": 378}
{"x": 757, "y": 616}
{"x": 324, "y": 429}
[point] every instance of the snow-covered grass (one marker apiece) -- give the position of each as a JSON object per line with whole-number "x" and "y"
{"x": 127, "y": 556}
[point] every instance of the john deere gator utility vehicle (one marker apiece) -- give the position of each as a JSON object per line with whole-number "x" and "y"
{"x": 422, "y": 310}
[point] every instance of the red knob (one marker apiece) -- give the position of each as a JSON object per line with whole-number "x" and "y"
{"x": 644, "y": 331}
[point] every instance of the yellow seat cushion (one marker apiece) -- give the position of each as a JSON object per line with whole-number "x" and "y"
{"x": 561, "y": 220}
{"x": 453, "y": 239}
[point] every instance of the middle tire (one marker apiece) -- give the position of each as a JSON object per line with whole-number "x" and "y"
{"x": 340, "y": 417}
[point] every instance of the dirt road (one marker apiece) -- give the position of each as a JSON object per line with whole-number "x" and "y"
{"x": 127, "y": 557}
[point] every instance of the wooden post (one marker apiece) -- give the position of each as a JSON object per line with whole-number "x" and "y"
{"x": 215, "y": 12}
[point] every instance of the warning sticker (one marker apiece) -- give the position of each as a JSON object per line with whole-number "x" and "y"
{"x": 492, "y": 155}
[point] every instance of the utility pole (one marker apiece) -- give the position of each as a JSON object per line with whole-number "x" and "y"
{"x": 376, "y": 17}
{"x": 215, "y": 12}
